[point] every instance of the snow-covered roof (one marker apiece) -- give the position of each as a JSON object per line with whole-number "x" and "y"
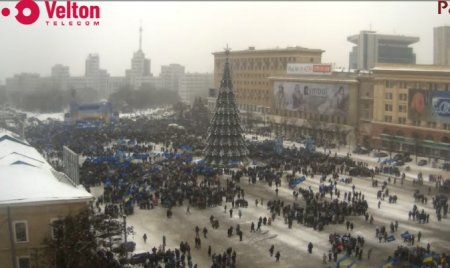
{"x": 6, "y": 134}
{"x": 411, "y": 68}
{"x": 21, "y": 184}
{"x": 8, "y": 147}
{"x": 27, "y": 178}
{"x": 16, "y": 158}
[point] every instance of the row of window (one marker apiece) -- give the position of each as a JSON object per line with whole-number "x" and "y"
{"x": 272, "y": 63}
{"x": 21, "y": 235}
{"x": 416, "y": 84}
{"x": 418, "y": 123}
{"x": 311, "y": 116}
{"x": 252, "y": 82}
{"x": 401, "y": 108}
{"x": 21, "y": 230}
{"x": 401, "y": 96}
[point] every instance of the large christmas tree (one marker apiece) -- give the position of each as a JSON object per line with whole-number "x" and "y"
{"x": 225, "y": 143}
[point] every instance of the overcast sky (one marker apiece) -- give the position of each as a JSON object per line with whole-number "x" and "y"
{"x": 188, "y": 32}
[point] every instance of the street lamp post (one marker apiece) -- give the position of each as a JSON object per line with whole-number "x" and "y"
{"x": 125, "y": 228}
{"x": 125, "y": 247}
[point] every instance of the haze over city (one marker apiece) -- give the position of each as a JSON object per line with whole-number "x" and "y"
{"x": 188, "y": 32}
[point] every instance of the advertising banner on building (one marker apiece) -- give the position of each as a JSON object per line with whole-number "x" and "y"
{"x": 309, "y": 68}
{"x": 440, "y": 106}
{"x": 419, "y": 104}
{"x": 329, "y": 99}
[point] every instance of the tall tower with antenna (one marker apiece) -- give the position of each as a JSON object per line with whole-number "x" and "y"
{"x": 140, "y": 37}
{"x": 140, "y": 66}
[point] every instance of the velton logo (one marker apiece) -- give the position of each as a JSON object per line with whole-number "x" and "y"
{"x": 64, "y": 13}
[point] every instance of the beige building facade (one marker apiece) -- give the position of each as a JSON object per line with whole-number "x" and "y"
{"x": 324, "y": 107}
{"x": 24, "y": 229}
{"x": 410, "y": 112}
{"x": 33, "y": 196}
{"x": 251, "y": 68}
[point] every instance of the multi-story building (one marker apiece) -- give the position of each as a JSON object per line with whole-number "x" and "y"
{"x": 363, "y": 131}
{"x": 115, "y": 83}
{"x": 96, "y": 78}
{"x": 441, "y": 52}
{"x": 78, "y": 82}
{"x": 140, "y": 67}
{"x": 24, "y": 82}
{"x": 33, "y": 198}
{"x": 410, "y": 109}
{"x": 194, "y": 85}
{"x": 60, "y": 76}
{"x": 372, "y": 48}
{"x": 3, "y": 95}
{"x": 251, "y": 68}
{"x": 92, "y": 65}
{"x": 323, "y": 106}
{"x": 170, "y": 76}
{"x": 154, "y": 81}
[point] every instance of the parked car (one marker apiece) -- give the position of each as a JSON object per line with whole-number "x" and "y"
{"x": 397, "y": 157}
{"x": 115, "y": 241}
{"x": 361, "y": 150}
{"x": 446, "y": 166}
{"x": 399, "y": 163}
{"x": 422, "y": 162}
{"x": 129, "y": 246}
{"x": 407, "y": 158}
{"x": 380, "y": 154}
{"x": 331, "y": 146}
{"x": 139, "y": 257}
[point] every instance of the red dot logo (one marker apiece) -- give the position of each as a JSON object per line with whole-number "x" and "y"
{"x": 5, "y": 12}
{"x": 33, "y": 10}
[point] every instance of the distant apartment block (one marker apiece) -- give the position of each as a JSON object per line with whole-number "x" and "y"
{"x": 60, "y": 76}
{"x": 195, "y": 85}
{"x": 23, "y": 82}
{"x": 170, "y": 76}
{"x": 96, "y": 78}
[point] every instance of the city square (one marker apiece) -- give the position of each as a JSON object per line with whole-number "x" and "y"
{"x": 224, "y": 135}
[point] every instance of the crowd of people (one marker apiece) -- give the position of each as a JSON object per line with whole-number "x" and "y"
{"x": 346, "y": 243}
{"x": 143, "y": 164}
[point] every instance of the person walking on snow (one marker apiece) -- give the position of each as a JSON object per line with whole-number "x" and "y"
{"x": 271, "y": 249}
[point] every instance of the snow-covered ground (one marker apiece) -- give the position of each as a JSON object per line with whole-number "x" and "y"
{"x": 292, "y": 243}
{"x": 46, "y": 116}
{"x": 155, "y": 112}
{"x": 147, "y": 112}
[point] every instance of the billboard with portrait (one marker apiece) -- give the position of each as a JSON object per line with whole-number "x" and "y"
{"x": 419, "y": 104}
{"x": 329, "y": 99}
{"x": 440, "y": 106}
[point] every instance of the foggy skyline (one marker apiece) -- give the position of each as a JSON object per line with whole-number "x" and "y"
{"x": 188, "y": 32}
